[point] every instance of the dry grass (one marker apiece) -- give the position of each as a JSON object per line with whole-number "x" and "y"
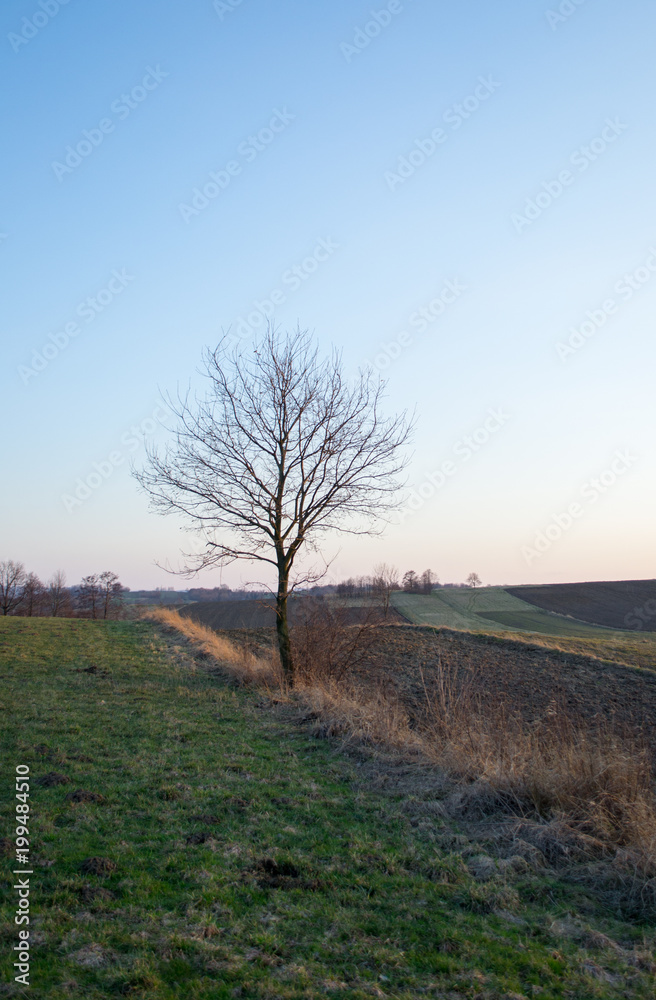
{"x": 327, "y": 644}
{"x": 365, "y": 717}
{"x": 242, "y": 665}
{"x": 555, "y": 765}
{"x": 575, "y": 792}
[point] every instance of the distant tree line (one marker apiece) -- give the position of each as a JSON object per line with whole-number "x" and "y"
{"x": 382, "y": 582}
{"x": 355, "y": 586}
{"x": 424, "y": 584}
{"x": 99, "y": 595}
{"x": 224, "y": 593}
{"x": 385, "y": 579}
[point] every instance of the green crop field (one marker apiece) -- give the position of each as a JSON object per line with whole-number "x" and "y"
{"x": 491, "y": 609}
{"x": 189, "y": 841}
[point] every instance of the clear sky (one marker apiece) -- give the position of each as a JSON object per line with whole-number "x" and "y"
{"x": 491, "y": 164}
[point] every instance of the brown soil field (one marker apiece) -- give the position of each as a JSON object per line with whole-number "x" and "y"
{"x": 529, "y": 680}
{"x": 626, "y": 604}
{"x": 228, "y": 615}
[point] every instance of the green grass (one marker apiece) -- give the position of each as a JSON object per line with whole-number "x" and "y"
{"x": 374, "y": 903}
{"x": 491, "y": 609}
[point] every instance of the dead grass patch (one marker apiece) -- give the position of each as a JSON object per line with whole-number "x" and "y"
{"x": 240, "y": 663}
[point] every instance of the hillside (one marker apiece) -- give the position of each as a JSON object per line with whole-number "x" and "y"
{"x": 624, "y": 604}
{"x": 190, "y": 840}
{"x": 489, "y": 609}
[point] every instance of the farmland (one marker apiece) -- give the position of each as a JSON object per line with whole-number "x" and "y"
{"x": 489, "y": 609}
{"x": 223, "y": 615}
{"x": 495, "y": 611}
{"x": 529, "y": 677}
{"x": 191, "y": 839}
{"x": 486, "y": 611}
{"x": 622, "y": 604}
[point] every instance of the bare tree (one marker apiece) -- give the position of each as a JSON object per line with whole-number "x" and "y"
{"x": 474, "y": 580}
{"x": 385, "y": 581}
{"x": 58, "y": 597}
{"x": 110, "y": 594}
{"x": 89, "y": 599}
{"x": 12, "y": 580}
{"x": 346, "y": 588}
{"x": 428, "y": 581}
{"x": 279, "y": 451}
{"x": 33, "y": 592}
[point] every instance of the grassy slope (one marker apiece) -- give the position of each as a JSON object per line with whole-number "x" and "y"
{"x": 377, "y": 909}
{"x": 489, "y": 609}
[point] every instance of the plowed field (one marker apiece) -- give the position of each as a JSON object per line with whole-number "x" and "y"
{"x": 625, "y": 604}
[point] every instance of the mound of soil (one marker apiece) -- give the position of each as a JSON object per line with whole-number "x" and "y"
{"x": 98, "y": 866}
{"x": 95, "y": 894}
{"x": 270, "y": 874}
{"x": 197, "y": 838}
{"x": 52, "y": 779}
{"x": 82, "y": 795}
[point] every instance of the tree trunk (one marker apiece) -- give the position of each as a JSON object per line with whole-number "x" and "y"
{"x": 282, "y": 628}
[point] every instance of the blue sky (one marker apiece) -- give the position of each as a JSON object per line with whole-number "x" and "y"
{"x": 504, "y": 151}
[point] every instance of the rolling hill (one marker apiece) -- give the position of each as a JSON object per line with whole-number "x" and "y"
{"x": 624, "y": 604}
{"x": 489, "y": 609}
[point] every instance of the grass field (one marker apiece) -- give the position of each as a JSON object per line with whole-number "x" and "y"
{"x": 232, "y": 855}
